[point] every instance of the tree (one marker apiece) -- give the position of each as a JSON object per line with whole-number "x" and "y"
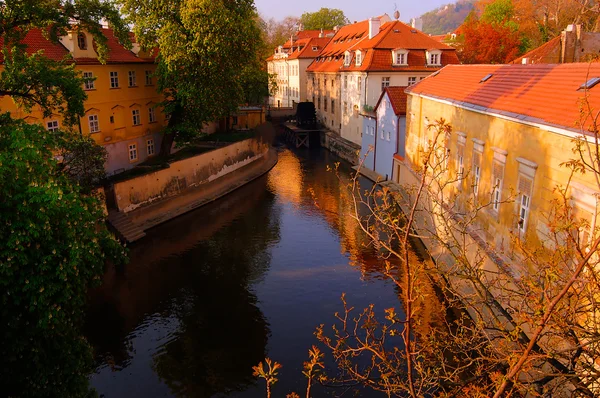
{"x": 325, "y": 18}
{"x": 34, "y": 80}
{"x": 82, "y": 160}
{"x": 491, "y": 39}
{"x": 277, "y": 33}
{"x": 55, "y": 245}
{"x": 204, "y": 47}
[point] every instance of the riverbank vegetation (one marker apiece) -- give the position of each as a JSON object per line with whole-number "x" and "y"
{"x": 519, "y": 326}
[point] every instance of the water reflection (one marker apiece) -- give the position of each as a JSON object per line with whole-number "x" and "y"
{"x": 208, "y": 295}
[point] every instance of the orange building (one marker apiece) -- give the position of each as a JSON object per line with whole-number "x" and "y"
{"x": 121, "y": 111}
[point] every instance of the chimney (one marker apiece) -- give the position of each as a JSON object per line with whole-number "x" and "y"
{"x": 321, "y": 33}
{"x": 374, "y": 25}
{"x": 568, "y": 43}
{"x": 416, "y": 23}
{"x": 525, "y": 61}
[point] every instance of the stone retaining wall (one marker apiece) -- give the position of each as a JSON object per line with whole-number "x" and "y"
{"x": 186, "y": 173}
{"x": 343, "y": 148}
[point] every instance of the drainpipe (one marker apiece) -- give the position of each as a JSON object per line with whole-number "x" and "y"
{"x": 79, "y": 123}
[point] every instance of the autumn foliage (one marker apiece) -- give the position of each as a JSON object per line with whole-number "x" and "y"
{"x": 486, "y": 42}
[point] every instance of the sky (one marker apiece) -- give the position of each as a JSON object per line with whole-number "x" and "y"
{"x": 354, "y": 10}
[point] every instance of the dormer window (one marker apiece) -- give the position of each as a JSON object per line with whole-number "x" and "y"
{"x": 434, "y": 58}
{"x": 347, "y": 57}
{"x": 81, "y": 42}
{"x": 315, "y": 48}
{"x": 358, "y": 58}
{"x": 400, "y": 57}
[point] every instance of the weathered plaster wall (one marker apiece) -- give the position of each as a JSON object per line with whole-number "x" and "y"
{"x": 187, "y": 173}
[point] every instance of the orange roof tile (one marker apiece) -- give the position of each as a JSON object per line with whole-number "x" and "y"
{"x": 117, "y": 53}
{"x": 377, "y": 52}
{"x": 311, "y": 47}
{"x": 538, "y": 93}
{"x": 547, "y": 53}
{"x": 35, "y": 41}
{"x": 398, "y": 99}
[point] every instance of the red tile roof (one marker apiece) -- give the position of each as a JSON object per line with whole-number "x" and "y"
{"x": 377, "y": 52}
{"x": 305, "y": 34}
{"x": 117, "y": 53}
{"x": 539, "y": 93}
{"x": 35, "y": 41}
{"x": 302, "y": 39}
{"x": 547, "y": 53}
{"x": 398, "y": 99}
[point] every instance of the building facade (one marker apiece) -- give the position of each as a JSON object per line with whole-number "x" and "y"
{"x": 289, "y": 63}
{"x": 121, "y": 109}
{"x": 384, "y": 132}
{"x": 360, "y": 61}
{"x": 513, "y": 130}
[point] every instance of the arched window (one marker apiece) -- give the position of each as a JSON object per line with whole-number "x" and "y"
{"x": 81, "y": 42}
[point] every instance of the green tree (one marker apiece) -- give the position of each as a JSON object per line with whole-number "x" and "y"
{"x": 34, "y": 80}
{"x": 83, "y": 161}
{"x": 204, "y": 47}
{"x": 54, "y": 247}
{"x": 325, "y": 18}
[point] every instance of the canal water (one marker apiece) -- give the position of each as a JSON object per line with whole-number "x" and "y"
{"x": 210, "y": 294}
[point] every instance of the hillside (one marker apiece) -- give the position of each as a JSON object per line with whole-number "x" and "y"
{"x": 446, "y": 18}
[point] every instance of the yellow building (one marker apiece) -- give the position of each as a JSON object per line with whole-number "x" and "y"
{"x": 121, "y": 110}
{"x": 513, "y": 128}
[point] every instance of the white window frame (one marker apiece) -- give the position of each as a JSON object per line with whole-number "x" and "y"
{"x": 93, "y": 123}
{"x": 132, "y": 149}
{"x": 135, "y": 115}
{"x": 385, "y": 82}
{"x": 434, "y": 58}
{"x": 89, "y": 83}
{"x": 498, "y": 180}
{"x": 150, "y": 147}
{"x": 358, "y": 58}
{"x": 412, "y": 80}
{"x": 527, "y": 171}
{"x": 148, "y": 75}
{"x": 400, "y": 57}
{"x": 114, "y": 79}
{"x": 52, "y": 125}
{"x": 151, "y": 115}
{"x": 132, "y": 78}
{"x": 347, "y": 58}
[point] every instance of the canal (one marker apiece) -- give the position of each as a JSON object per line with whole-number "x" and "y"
{"x": 208, "y": 295}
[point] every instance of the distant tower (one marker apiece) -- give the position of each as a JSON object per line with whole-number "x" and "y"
{"x": 397, "y": 14}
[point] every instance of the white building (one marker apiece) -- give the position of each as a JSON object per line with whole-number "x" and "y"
{"x": 360, "y": 61}
{"x": 289, "y": 64}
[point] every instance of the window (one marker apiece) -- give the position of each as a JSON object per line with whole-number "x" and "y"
{"x": 345, "y": 110}
{"x": 319, "y": 103}
{"x": 114, "y": 79}
{"x": 460, "y": 165}
{"x": 325, "y": 104}
{"x": 332, "y": 83}
{"x": 151, "y": 115}
{"x": 497, "y": 177}
{"x": 476, "y": 172}
{"x": 347, "y": 59}
{"x": 385, "y": 82}
{"x": 88, "y": 81}
{"x": 132, "y": 79}
{"x": 525, "y": 185}
{"x": 358, "y": 58}
{"x": 81, "y": 42}
{"x": 148, "y": 78}
{"x": 325, "y": 83}
{"x": 345, "y": 81}
{"x": 388, "y": 137}
{"x": 434, "y": 57}
{"x": 52, "y": 125}
{"x": 400, "y": 58}
{"x": 136, "y": 117}
{"x": 412, "y": 80}
{"x": 359, "y": 83}
{"x": 150, "y": 147}
{"x": 93, "y": 123}
{"x": 332, "y": 106}
{"x": 133, "y": 152}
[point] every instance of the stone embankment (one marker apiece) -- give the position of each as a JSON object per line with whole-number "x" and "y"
{"x": 148, "y": 200}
